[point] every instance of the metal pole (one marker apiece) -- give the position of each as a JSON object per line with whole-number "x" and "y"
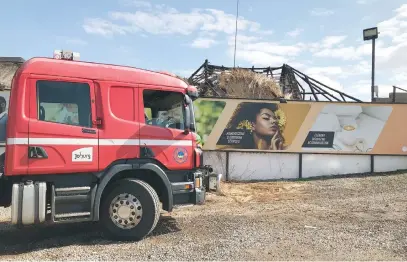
{"x": 373, "y": 66}
{"x": 237, "y": 14}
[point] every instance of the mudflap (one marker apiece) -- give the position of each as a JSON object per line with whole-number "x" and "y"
{"x": 5, "y": 185}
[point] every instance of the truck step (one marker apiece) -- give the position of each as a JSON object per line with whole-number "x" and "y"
{"x": 69, "y": 215}
{"x": 72, "y": 217}
{"x": 72, "y": 204}
{"x": 72, "y": 190}
{"x": 70, "y": 198}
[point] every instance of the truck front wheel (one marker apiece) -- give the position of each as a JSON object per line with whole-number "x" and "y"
{"x": 130, "y": 210}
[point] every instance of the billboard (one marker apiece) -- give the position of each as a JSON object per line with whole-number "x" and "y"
{"x": 250, "y": 125}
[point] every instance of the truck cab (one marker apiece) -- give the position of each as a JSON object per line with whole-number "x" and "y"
{"x": 98, "y": 142}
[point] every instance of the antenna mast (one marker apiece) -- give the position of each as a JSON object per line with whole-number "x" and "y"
{"x": 237, "y": 14}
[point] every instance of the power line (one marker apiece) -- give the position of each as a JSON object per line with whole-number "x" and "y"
{"x": 237, "y": 14}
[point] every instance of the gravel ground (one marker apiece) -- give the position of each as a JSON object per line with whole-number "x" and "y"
{"x": 336, "y": 219}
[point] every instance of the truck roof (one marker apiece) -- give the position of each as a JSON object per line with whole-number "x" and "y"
{"x": 99, "y": 71}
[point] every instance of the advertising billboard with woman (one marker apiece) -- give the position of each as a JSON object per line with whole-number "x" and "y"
{"x": 250, "y": 125}
{"x": 255, "y": 126}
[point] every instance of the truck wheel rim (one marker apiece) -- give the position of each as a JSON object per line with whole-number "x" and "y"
{"x": 125, "y": 211}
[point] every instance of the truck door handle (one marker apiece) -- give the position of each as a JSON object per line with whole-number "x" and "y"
{"x": 88, "y": 131}
{"x": 37, "y": 152}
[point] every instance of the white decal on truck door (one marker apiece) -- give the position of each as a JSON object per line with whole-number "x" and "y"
{"x": 83, "y": 155}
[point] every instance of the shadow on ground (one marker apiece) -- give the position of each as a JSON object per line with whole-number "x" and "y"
{"x": 15, "y": 240}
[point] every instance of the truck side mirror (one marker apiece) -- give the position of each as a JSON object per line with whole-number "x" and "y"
{"x": 187, "y": 120}
{"x": 189, "y": 123}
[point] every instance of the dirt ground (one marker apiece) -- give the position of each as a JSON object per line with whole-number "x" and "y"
{"x": 360, "y": 218}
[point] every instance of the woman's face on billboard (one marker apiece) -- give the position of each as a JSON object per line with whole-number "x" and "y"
{"x": 266, "y": 123}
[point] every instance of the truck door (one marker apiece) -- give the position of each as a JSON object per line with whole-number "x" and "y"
{"x": 162, "y": 122}
{"x": 62, "y": 137}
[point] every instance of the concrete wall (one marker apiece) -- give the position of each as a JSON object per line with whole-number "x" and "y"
{"x": 246, "y": 166}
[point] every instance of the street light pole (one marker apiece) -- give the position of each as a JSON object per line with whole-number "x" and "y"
{"x": 372, "y": 34}
{"x": 373, "y": 67}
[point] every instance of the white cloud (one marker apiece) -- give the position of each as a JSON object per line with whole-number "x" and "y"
{"x": 388, "y": 56}
{"x": 261, "y": 53}
{"x": 361, "y": 68}
{"x": 260, "y": 58}
{"x": 243, "y": 39}
{"x": 326, "y": 43}
{"x": 298, "y": 65}
{"x": 328, "y": 70}
{"x": 330, "y": 41}
{"x": 253, "y": 47}
{"x": 104, "y": 27}
{"x": 324, "y": 47}
{"x": 400, "y": 78}
{"x": 222, "y": 22}
{"x": 265, "y": 32}
{"x": 275, "y": 48}
{"x": 328, "y": 81}
{"x": 203, "y": 43}
{"x": 392, "y": 57}
{"x": 294, "y": 33}
{"x": 362, "y": 89}
{"x": 321, "y": 12}
{"x": 345, "y": 53}
{"x": 254, "y": 50}
{"x": 395, "y": 27}
{"x": 166, "y": 20}
{"x": 164, "y": 23}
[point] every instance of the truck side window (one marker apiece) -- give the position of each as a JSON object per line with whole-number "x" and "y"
{"x": 164, "y": 108}
{"x": 64, "y": 102}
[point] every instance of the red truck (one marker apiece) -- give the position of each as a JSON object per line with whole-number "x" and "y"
{"x": 90, "y": 142}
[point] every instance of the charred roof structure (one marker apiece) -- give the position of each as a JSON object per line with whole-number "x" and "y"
{"x": 290, "y": 80}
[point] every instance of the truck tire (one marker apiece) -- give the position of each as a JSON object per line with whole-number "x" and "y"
{"x": 130, "y": 211}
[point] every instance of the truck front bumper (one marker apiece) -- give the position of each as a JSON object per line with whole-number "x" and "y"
{"x": 194, "y": 192}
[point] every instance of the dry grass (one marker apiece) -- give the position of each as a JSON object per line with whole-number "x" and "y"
{"x": 7, "y": 70}
{"x": 242, "y": 83}
{"x": 262, "y": 192}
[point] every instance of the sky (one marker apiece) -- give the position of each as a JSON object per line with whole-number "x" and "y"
{"x": 320, "y": 38}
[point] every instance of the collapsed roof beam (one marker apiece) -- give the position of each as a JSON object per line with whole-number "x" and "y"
{"x": 206, "y": 77}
